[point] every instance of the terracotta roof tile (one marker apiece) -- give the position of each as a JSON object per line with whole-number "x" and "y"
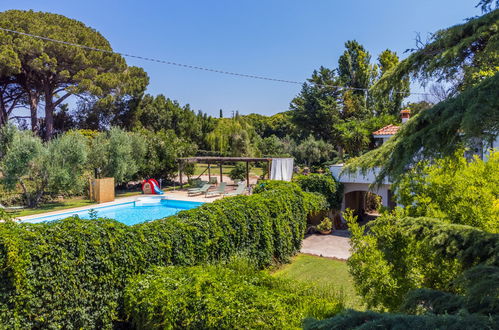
{"x": 387, "y": 130}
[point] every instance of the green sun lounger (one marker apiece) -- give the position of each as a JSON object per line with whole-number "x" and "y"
{"x": 239, "y": 191}
{"x": 11, "y": 207}
{"x": 199, "y": 184}
{"x": 219, "y": 191}
{"x": 201, "y": 190}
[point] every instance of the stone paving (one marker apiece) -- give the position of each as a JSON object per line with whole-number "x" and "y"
{"x": 335, "y": 245}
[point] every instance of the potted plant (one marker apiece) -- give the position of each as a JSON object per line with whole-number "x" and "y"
{"x": 326, "y": 226}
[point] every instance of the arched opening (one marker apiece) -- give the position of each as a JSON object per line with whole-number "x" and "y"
{"x": 366, "y": 204}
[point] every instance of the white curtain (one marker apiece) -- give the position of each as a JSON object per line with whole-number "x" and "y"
{"x": 282, "y": 169}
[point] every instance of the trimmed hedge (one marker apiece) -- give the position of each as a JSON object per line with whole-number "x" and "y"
{"x": 371, "y": 320}
{"x": 324, "y": 184}
{"x": 71, "y": 273}
{"x": 233, "y": 296}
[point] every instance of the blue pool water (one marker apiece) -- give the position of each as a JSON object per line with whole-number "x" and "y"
{"x": 130, "y": 213}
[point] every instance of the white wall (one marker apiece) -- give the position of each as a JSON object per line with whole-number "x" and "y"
{"x": 381, "y": 191}
{"x": 357, "y": 177}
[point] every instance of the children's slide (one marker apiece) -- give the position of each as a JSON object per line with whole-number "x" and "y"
{"x": 153, "y": 186}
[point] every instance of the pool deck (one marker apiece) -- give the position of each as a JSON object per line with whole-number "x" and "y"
{"x": 180, "y": 195}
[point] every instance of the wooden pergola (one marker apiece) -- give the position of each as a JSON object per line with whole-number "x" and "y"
{"x": 221, "y": 161}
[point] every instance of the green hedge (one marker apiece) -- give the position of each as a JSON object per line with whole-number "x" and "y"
{"x": 402, "y": 254}
{"x": 233, "y": 296}
{"x": 324, "y": 184}
{"x": 71, "y": 273}
{"x": 372, "y": 320}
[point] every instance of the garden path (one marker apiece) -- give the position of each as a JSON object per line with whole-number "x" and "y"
{"x": 335, "y": 245}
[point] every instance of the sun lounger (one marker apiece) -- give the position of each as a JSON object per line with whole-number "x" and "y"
{"x": 239, "y": 191}
{"x": 219, "y": 191}
{"x": 201, "y": 190}
{"x": 198, "y": 185}
{"x": 11, "y": 207}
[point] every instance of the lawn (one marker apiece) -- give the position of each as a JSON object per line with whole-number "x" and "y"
{"x": 324, "y": 272}
{"x": 53, "y": 206}
{"x": 68, "y": 204}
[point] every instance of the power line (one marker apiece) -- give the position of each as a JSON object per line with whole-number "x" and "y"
{"x": 194, "y": 67}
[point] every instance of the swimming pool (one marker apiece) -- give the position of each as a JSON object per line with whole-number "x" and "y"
{"x": 130, "y": 213}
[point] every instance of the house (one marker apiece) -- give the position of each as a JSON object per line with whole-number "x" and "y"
{"x": 357, "y": 186}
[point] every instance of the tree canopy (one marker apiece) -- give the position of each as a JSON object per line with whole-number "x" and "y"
{"x": 466, "y": 54}
{"x": 342, "y": 107}
{"x": 52, "y": 72}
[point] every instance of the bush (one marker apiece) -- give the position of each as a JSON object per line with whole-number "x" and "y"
{"x": 401, "y": 254}
{"x": 324, "y": 184}
{"x": 325, "y": 225}
{"x": 235, "y": 296}
{"x": 71, "y": 273}
{"x": 454, "y": 189}
{"x": 4, "y": 215}
{"x": 371, "y": 320}
{"x": 238, "y": 172}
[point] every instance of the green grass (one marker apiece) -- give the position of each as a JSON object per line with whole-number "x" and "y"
{"x": 127, "y": 193}
{"x": 325, "y": 272}
{"x": 53, "y": 206}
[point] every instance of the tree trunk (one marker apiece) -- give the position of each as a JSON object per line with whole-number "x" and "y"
{"x": 33, "y": 108}
{"x": 3, "y": 117}
{"x": 340, "y": 153}
{"x": 49, "y": 115}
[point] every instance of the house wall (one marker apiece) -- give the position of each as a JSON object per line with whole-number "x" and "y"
{"x": 382, "y": 191}
{"x": 357, "y": 177}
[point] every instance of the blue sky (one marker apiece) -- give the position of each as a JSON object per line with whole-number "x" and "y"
{"x": 275, "y": 38}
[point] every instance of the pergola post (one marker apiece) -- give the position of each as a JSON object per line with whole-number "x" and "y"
{"x": 268, "y": 168}
{"x": 180, "y": 173}
{"x": 209, "y": 172}
{"x": 221, "y": 173}
{"x": 247, "y": 174}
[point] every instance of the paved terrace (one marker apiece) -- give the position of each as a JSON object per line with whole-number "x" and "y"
{"x": 335, "y": 245}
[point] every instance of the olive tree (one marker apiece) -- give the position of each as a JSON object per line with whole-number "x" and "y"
{"x": 37, "y": 167}
{"x": 313, "y": 152}
{"x": 118, "y": 154}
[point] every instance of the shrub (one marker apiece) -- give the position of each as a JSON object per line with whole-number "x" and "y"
{"x": 325, "y": 225}
{"x": 454, "y": 189}
{"x": 71, "y": 273}
{"x": 4, "y": 215}
{"x": 324, "y": 184}
{"x": 221, "y": 297}
{"x": 371, "y": 320}
{"x": 238, "y": 172}
{"x": 400, "y": 254}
